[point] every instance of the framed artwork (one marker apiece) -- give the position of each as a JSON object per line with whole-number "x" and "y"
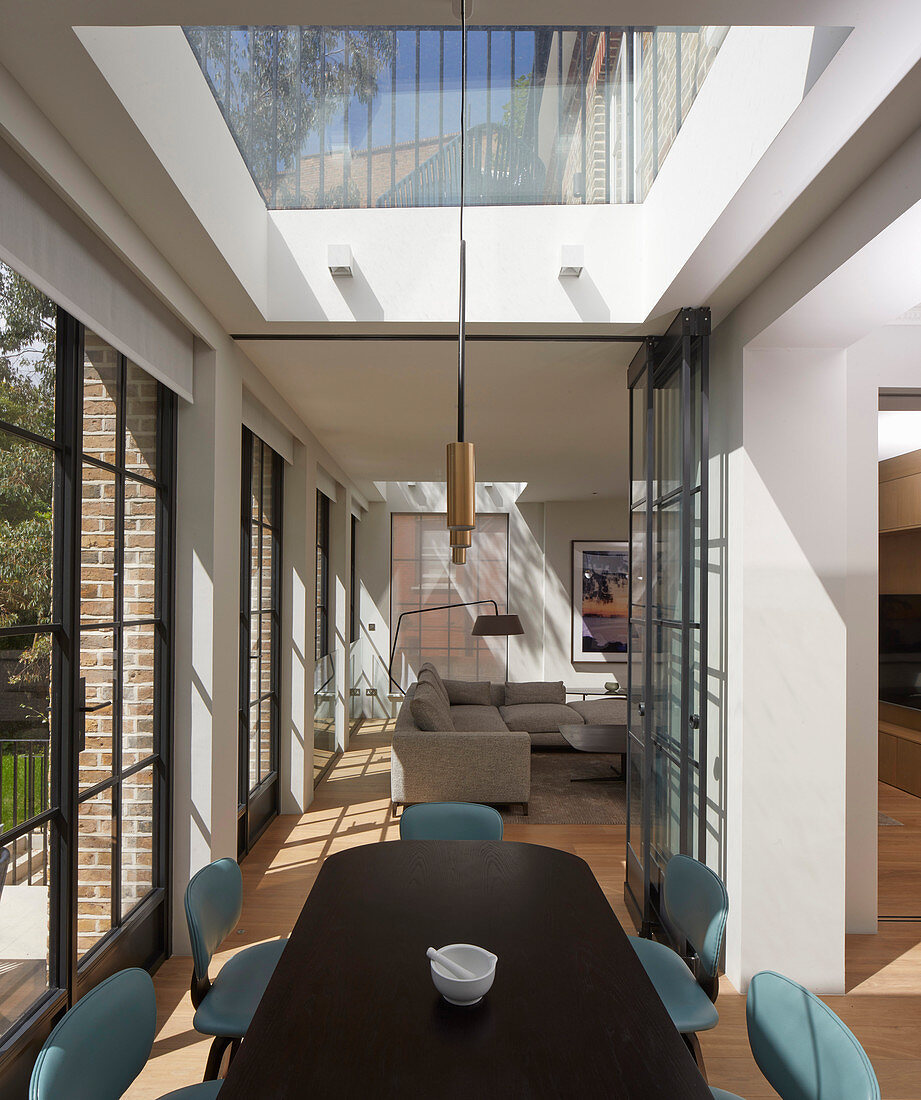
{"x": 600, "y": 574}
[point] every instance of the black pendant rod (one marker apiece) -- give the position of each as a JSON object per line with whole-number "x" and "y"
{"x": 462, "y": 306}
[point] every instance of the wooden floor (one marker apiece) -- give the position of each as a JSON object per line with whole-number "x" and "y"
{"x": 882, "y": 1005}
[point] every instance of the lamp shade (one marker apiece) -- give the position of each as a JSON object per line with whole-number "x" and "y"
{"x": 494, "y": 626}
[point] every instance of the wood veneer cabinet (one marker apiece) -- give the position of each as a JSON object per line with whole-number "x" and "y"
{"x": 900, "y": 492}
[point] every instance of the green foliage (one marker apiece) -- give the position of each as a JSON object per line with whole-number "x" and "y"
{"x": 515, "y": 112}
{"x": 27, "y": 381}
{"x": 277, "y": 84}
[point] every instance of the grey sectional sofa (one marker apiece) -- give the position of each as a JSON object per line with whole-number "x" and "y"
{"x": 471, "y": 742}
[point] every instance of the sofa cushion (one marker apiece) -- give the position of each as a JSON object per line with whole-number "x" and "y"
{"x": 602, "y": 711}
{"x": 427, "y": 671}
{"x": 467, "y": 693}
{"x": 430, "y": 712}
{"x": 536, "y": 692}
{"x": 497, "y": 695}
{"x": 476, "y": 719}
{"x": 539, "y": 717}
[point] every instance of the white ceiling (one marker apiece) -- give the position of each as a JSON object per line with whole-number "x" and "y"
{"x": 550, "y": 413}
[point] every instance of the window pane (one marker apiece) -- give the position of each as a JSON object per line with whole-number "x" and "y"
{"x": 94, "y": 870}
{"x": 140, "y": 422}
{"x": 255, "y": 559}
{"x": 26, "y": 530}
{"x": 253, "y": 746}
{"x": 100, "y": 398}
{"x": 140, "y": 564}
{"x": 268, "y": 466}
{"x": 265, "y": 738}
{"x": 28, "y": 323}
{"x": 137, "y": 693}
{"x": 24, "y": 924}
{"x": 265, "y": 678}
{"x": 97, "y": 544}
{"x": 427, "y": 579}
{"x": 137, "y": 827}
{"x": 266, "y": 570}
{"x": 97, "y": 670}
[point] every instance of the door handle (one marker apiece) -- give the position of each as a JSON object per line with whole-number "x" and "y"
{"x": 642, "y": 710}
{"x": 695, "y": 721}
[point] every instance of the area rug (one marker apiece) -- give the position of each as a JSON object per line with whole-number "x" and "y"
{"x": 556, "y": 801}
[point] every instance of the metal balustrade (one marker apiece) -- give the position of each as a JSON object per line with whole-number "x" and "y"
{"x": 24, "y": 792}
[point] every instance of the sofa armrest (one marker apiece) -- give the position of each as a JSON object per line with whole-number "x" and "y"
{"x": 460, "y": 767}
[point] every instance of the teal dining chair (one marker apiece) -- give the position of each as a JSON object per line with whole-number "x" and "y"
{"x": 450, "y": 821}
{"x": 103, "y": 1043}
{"x": 224, "y": 1007}
{"x": 804, "y": 1050}
{"x": 696, "y": 905}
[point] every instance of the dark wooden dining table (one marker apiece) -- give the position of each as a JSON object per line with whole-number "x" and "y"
{"x": 351, "y": 1010}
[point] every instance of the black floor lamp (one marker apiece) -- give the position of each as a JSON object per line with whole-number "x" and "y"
{"x": 484, "y": 626}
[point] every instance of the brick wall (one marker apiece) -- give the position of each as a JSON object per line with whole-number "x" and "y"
{"x": 98, "y": 648}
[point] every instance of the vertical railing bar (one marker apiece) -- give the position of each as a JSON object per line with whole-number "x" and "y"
{"x": 511, "y": 124}
{"x": 251, "y": 106}
{"x": 441, "y": 115}
{"x": 488, "y": 105}
{"x": 608, "y": 38}
{"x": 584, "y": 110}
{"x": 321, "y": 184}
{"x": 298, "y": 138}
{"x": 370, "y": 143}
{"x": 346, "y": 142}
{"x": 393, "y": 114}
{"x": 655, "y": 102}
{"x": 275, "y": 40}
{"x": 559, "y": 109}
{"x": 418, "y": 62}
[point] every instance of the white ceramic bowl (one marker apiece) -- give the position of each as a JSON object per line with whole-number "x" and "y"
{"x": 465, "y": 991}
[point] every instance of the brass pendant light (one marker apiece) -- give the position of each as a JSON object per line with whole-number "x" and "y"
{"x": 458, "y": 555}
{"x": 461, "y": 463}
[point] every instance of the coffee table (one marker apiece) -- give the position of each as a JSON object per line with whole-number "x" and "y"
{"x": 598, "y": 738}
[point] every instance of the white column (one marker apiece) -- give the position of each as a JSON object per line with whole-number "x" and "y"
{"x": 207, "y": 635}
{"x": 340, "y": 518}
{"x": 298, "y": 614}
{"x": 786, "y": 733}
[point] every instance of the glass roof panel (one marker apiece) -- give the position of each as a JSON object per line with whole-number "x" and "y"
{"x": 329, "y": 117}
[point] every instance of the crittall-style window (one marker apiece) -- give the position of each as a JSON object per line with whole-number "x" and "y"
{"x": 422, "y": 576}
{"x": 259, "y": 626}
{"x": 86, "y": 472}
{"x": 324, "y": 681}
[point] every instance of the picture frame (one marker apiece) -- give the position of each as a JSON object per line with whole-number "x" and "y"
{"x": 599, "y": 599}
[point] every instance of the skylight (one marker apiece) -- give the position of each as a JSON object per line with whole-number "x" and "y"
{"x": 329, "y": 117}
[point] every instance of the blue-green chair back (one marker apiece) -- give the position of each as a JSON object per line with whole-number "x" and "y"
{"x": 101, "y": 1044}
{"x": 804, "y": 1050}
{"x": 213, "y": 903}
{"x": 450, "y": 821}
{"x": 697, "y": 905}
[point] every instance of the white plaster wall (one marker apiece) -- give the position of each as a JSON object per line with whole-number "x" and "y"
{"x": 786, "y": 829}
{"x": 207, "y": 630}
{"x": 405, "y": 265}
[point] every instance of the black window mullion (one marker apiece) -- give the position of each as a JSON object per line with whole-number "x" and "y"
{"x": 246, "y": 534}
{"x": 118, "y": 698}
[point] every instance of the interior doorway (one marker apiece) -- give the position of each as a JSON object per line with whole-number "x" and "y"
{"x": 899, "y": 656}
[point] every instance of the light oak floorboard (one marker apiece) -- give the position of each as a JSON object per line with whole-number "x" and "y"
{"x": 352, "y": 806}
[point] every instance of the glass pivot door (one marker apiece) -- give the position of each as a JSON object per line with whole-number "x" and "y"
{"x": 666, "y": 787}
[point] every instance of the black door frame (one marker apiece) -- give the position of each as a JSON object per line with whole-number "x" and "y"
{"x": 259, "y": 806}
{"x": 684, "y": 347}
